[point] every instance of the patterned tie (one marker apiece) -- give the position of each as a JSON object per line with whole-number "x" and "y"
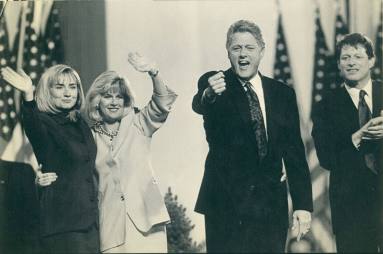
{"x": 364, "y": 117}
{"x": 258, "y": 125}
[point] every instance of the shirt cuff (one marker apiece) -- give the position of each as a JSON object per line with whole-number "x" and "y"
{"x": 206, "y": 99}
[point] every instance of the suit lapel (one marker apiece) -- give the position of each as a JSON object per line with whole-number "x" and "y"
{"x": 268, "y": 95}
{"x": 238, "y": 95}
{"x": 349, "y": 113}
{"x": 376, "y": 98}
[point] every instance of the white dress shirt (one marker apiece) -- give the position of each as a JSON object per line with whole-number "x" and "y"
{"x": 354, "y": 94}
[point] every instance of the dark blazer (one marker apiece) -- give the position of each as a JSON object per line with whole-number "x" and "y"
{"x": 234, "y": 179}
{"x": 18, "y": 208}
{"x": 67, "y": 148}
{"x": 353, "y": 187}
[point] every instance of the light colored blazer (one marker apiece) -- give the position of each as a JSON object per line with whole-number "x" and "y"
{"x": 127, "y": 184}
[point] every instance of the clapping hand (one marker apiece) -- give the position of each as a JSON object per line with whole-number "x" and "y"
{"x": 374, "y": 130}
{"x": 141, "y": 63}
{"x": 19, "y": 80}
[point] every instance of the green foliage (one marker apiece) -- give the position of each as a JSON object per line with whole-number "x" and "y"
{"x": 178, "y": 231}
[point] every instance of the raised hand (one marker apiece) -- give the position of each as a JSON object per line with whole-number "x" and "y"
{"x": 217, "y": 84}
{"x": 141, "y": 63}
{"x": 20, "y": 80}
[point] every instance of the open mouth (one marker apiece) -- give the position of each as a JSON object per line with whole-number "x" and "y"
{"x": 243, "y": 64}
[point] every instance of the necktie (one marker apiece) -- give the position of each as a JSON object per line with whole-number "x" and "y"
{"x": 257, "y": 122}
{"x": 364, "y": 117}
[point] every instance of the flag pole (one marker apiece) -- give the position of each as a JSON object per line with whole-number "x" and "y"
{"x": 20, "y": 50}
{"x": 2, "y": 9}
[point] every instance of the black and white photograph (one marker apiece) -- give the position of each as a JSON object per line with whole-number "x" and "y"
{"x": 191, "y": 126}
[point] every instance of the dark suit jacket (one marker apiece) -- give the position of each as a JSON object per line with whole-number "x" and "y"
{"x": 18, "y": 208}
{"x": 235, "y": 181}
{"x": 353, "y": 187}
{"x": 67, "y": 148}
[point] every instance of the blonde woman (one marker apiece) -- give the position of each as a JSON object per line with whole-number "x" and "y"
{"x": 63, "y": 144}
{"x": 132, "y": 210}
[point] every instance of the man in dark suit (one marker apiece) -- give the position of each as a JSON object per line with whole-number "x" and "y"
{"x": 348, "y": 132}
{"x": 251, "y": 123}
{"x": 18, "y": 208}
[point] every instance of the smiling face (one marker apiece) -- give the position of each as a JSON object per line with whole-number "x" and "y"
{"x": 111, "y": 105}
{"x": 355, "y": 65}
{"x": 245, "y": 54}
{"x": 64, "y": 93}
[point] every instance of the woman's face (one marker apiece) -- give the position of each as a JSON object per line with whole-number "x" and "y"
{"x": 64, "y": 93}
{"x": 111, "y": 106}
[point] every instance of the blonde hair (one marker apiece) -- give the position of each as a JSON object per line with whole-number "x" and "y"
{"x": 51, "y": 77}
{"x": 102, "y": 84}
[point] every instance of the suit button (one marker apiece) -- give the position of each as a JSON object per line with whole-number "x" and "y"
{"x": 122, "y": 198}
{"x": 251, "y": 187}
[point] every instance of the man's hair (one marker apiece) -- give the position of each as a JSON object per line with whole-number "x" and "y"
{"x": 242, "y": 26}
{"x": 354, "y": 40}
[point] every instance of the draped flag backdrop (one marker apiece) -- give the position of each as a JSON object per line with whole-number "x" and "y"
{"x": 37, "y": 45}
{"x": 186, "y": 39}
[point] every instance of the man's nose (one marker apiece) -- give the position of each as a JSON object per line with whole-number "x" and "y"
{"x": 242, "y": 52}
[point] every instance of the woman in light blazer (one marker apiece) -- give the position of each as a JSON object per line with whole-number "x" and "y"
{"x": 132, "y": 209}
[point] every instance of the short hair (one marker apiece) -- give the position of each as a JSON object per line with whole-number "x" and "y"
{"x": 51, "y": 77}
{"x": 101, "y": 85}
{"x": 354, "y": 40}
{"x": 242, "y": 26}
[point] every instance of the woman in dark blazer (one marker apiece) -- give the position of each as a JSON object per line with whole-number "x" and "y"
{"x": 62, "y": 143}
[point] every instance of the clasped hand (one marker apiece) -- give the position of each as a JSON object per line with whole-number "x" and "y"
{"x": 44, "y": 179}
{"x": 372, "y": 130}
{"x": 301, "y": 222}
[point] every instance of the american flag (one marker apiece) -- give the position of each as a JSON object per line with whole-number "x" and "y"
{"x": 377, "y": 71}
{"x": 282, "y": 70}
{"x": 341, "y": 29}
{"x": 53, "y": 48}
{"x": 321, "y": 222}
{"x": 322, "y": 62}
{"x": 33, "y": 47}
{"x": 8, "y": 117}
{"x": 39, "y": 51}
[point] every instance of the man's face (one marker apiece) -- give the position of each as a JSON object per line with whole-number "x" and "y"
{"x": 245, "y": 55}
{"x": 354, "y": 64}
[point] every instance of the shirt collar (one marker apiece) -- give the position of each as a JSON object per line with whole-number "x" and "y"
{"x": 355, "y": 91}
{"x": 255, "y": 82}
